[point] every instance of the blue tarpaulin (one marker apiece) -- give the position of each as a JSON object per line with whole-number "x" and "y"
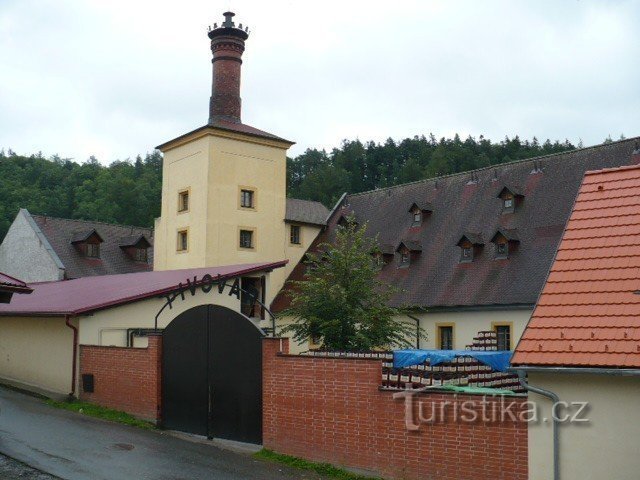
{"x": 498, "y": 361}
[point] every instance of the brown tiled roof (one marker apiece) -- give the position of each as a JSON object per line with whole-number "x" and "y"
{"x": 474, "y": 238}
{"x": 306, "y": 211}
{"x": 467, "y": 202}
{"x": 588, "y": 314}
{"x": 61, "y": 232}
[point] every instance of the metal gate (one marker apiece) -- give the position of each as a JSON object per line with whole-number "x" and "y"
{"x": 212, "y": 374}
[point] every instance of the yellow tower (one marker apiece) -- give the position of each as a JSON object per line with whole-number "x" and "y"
{"x": 224, "y": 184}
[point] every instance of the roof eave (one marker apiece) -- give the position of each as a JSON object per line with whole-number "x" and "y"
{"x": 166, "y": 145}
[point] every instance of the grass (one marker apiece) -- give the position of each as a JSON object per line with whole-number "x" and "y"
{"x": 321, "y": 468}
{"x": 92, "y": 410}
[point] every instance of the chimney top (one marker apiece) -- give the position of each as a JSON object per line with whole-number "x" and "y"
{"x": 228, "y": 27}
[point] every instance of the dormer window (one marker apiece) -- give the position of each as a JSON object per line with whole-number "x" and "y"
{"x": 418, "y": 212}
{"x": 469, "y": 243}
{"x": 383, "y": 254}
{"x": 136, "y": 247}
{"x": 510, "y": 198}
{"x": 88, "y": 243}
{"x": 92, "y": 250}
{"x": 408, "y": 249}
{"x": 505, "y": 241}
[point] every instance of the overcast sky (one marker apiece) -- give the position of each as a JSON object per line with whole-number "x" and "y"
{"x": 114, "y": 78}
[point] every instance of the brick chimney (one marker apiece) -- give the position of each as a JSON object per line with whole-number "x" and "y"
{"x": 227, "y": 45}
{"x": 635, "y": 155}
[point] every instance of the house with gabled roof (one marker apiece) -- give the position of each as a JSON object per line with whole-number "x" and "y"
{"x": 470, "y": 252}
{"x": 39, "y": 248}
{"x": 582, "y": 343}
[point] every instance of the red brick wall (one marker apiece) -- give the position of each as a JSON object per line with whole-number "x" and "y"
{"x": 331, "y": 410}
{"x": 127, "y": 379}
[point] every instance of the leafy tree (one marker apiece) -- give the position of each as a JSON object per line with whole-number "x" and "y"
{"x": 341, "y": 302}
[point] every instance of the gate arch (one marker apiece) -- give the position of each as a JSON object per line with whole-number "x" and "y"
{"x": 212, "y": 374}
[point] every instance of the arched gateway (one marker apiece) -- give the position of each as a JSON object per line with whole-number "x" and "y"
{"x": 212, "y": 374}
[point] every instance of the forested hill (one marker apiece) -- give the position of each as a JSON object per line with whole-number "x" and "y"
{"x": 128, "y": 192}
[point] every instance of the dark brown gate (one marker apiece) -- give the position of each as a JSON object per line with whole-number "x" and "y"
{"x": 212, "y": 374}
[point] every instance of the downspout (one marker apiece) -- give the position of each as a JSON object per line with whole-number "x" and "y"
{"x": 417, "y": 320}
{"x": 556, "y": 424}
{"x": 67, "y": 322}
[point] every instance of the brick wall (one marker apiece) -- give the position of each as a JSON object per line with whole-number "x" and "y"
{"x": 331, "y": 410}
{"x": 127, "y": 379}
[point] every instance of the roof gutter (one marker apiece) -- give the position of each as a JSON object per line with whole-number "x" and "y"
{"x": 74, "y": 363}
{"x": 618, "y": 372}
{"x": 556, "y": 433}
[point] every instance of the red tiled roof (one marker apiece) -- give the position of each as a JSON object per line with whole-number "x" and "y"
{"x": 589, "y": 311}
{"x": 84, "y": 295}
{"x": 10, "y": 284}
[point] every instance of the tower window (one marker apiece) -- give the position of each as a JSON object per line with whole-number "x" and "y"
{"x": 183, "y": 201}
{"x": 503, "y": 333}
{"x": 294, "y": 236}
{"x": 247, "y": 198}
{"x": 246, "y": 239}
{"x": 183, "y": 240}
{"x": 93, "y": 250}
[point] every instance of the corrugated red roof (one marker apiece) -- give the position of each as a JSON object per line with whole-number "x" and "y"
{"x": 84, "y": 295}
{"x": 10, "y": 284}
{"x": 589, "y": 311}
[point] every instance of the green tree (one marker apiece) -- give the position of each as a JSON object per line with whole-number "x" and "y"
{"x": 341, "y": 302}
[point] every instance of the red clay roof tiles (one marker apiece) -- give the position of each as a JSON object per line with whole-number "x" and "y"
{"x": 589, "y": 311}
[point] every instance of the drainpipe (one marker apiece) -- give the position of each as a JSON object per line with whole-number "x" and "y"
{"x": 556, "y": 424}
{"x": 417, "y": 320}
{"x": 67, "y": 322}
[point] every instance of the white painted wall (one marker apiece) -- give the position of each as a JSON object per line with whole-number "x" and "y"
{"x": 604, "y": 448}
{"x": 36, "y": 352}
{"x": 109, "y": 327}
{"x": 466, "y": 323}
{"x": 23, "y": 255}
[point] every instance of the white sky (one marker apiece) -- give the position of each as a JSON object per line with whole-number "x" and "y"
{"x": 114, "y": 78}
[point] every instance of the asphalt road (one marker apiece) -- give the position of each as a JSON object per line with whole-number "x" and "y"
{"x": 71, "y": 446}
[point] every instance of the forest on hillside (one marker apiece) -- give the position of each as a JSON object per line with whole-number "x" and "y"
{"x": 128, "y": 191}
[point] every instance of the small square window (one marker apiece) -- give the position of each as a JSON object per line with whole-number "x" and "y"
{"x": 141, "y": 254}
{"x": 467, "y": 254}
{"x": 246, "y": 198}
{"x": 93, "y": 250}
{"x": 417, "y": 217}
{"x": 295, "y": 235}
{"x": 183, "y": 241}
{"x": 183, "y": 201}
{"x": 246, "y": 239}
{"x": 405, "y": 258}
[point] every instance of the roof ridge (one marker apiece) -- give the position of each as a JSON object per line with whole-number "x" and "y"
{"x": 514, "y": 162}
{"x": 91, "y": 221}
{"x": 613, "y": 170}
{"x": 305, "y": 200}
